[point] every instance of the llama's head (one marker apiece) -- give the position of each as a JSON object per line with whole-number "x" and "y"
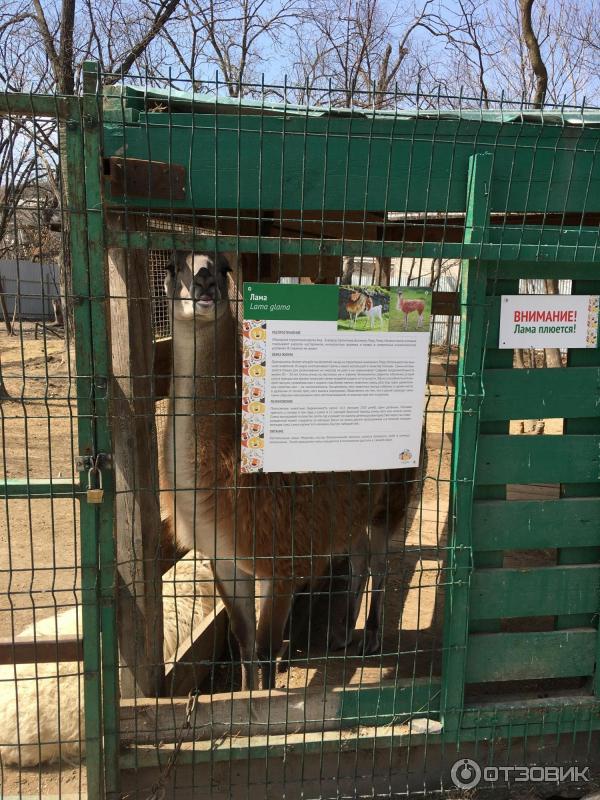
{"x": 196, "y": 286}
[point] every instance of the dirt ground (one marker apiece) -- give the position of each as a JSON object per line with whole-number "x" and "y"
{"x": 39, "y": 539}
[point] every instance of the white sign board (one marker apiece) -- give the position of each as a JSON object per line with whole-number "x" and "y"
{"x": 548, "y": 320}
{"x": 333, "y": 377}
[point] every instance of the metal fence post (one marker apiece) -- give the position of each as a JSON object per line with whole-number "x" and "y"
{"x": 76, "y": 202}
{"x": 92, "y": 108}
{"x": 466, "y": 431}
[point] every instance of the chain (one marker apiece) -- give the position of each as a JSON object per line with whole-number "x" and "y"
{"x": 158, "y": 791}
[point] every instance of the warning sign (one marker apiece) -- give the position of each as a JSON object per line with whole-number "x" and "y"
{"x": 546, "y": 320}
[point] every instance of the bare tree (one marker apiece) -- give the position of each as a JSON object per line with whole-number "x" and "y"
{"x": 468, "y": 52}
{"x": 52, "y": 42}
{"x": 364, "y": 49}
{"x": 552, "y": 355}
{"x": 235, "y": 36}
{"x": 489, "y": 47}
{"x": 18, "y": 165}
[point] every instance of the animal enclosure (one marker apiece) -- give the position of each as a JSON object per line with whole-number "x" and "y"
{"x": 477, "y": 628}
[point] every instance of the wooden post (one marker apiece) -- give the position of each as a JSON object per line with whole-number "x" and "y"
{"x": 135, "y": 458}
{"x": 383, "y": 271}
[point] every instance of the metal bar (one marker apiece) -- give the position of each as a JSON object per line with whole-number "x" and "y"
{"x": 92, "y": 106}
{"x": 42, "y": 487}
{"x": 466, "y": 430}
{"x": 84, "y": 359}
{"x": 493, "y": 251}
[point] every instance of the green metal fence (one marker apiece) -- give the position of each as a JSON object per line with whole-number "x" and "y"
{"x": 491, "y": 605}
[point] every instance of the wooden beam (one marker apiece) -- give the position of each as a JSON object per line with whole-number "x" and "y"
{"x": 277, "y": 711}
{"x": 137, "y": 512}
{"x": 40, "y": 651}
{"x": 445, "y": 304}
{"x": 190, "y": 666}
{"x": 139, "y": 178}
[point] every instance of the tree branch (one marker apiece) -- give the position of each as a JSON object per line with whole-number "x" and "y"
{"x": 66, "y": 76}
{"x": 47, "y": 38}
{"x": 535, "y": 56}
{"x": 160, "y": 20}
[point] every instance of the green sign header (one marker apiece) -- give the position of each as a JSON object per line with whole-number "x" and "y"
{"x": 293, "y": 301}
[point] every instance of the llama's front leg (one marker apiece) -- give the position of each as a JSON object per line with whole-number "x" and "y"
{"x": 236, "y": 589}
{"x": 274, "y": 613}
{"x": 420, "y": 323}
{"x": 378, "y": 567}
{"x": 341, "y": 636}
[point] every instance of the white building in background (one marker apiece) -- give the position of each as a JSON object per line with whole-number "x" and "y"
{"x": 36, "y": 285}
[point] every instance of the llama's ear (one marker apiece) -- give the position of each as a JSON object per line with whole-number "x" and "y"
{"x": 223, "y": 265}
{"x": 170, "y": 274}
{"x": 172, "y": 265}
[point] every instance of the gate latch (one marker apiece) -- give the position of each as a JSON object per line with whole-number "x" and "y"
{"x": 99, "y": 461}
{"x": 94, "y": 495}
{"x": 93, "y": 465}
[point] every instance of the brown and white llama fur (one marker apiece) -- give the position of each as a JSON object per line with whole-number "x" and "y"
{"x": 280, "y": 528}
{"x": 358, "y": 303}
{"x": 408, "y": 307}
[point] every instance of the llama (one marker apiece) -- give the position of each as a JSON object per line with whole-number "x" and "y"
{"x": 358, "y": 304}
{"x": 47, "y": 699}
{"x": 408, "y": 306}
{"x": 374, "y": 313}
{"x": 267, "y": 527}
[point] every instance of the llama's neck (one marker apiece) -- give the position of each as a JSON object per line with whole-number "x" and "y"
{"x": 203, "y": 398}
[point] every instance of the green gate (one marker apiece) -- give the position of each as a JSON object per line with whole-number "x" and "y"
{"x": 77, "y": 133}
{"x": 514, "y": 195}
{"x": 489, "y": 465}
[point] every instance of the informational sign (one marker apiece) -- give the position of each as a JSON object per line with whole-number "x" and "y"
{"x": 548, "y": 320}
{"x": 333, "y": 377}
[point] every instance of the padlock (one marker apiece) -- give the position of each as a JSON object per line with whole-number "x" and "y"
{"x": 95, "y": 496}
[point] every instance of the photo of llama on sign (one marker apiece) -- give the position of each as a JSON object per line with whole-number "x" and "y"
{"x": 410, "y": 309}
{"x": 364, "y": 308}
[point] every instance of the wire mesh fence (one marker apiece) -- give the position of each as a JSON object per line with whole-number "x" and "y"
{"x": 236, "y": 630}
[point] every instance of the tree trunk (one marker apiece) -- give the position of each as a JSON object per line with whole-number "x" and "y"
{"x": 383, "y": 269}
{"x": 347, "y": 269}
{"x": 4, "y": 308}
{"x": 519, "y": 360}
{"x": 553, "y": 357}
{"x": 535, "y": 55}
{"x": 3, "y": 391}
{"x": 65, "y": 266}
{"x": 135, "y": 455}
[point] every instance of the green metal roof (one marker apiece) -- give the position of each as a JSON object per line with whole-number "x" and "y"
{"x": 121, "y": 98}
